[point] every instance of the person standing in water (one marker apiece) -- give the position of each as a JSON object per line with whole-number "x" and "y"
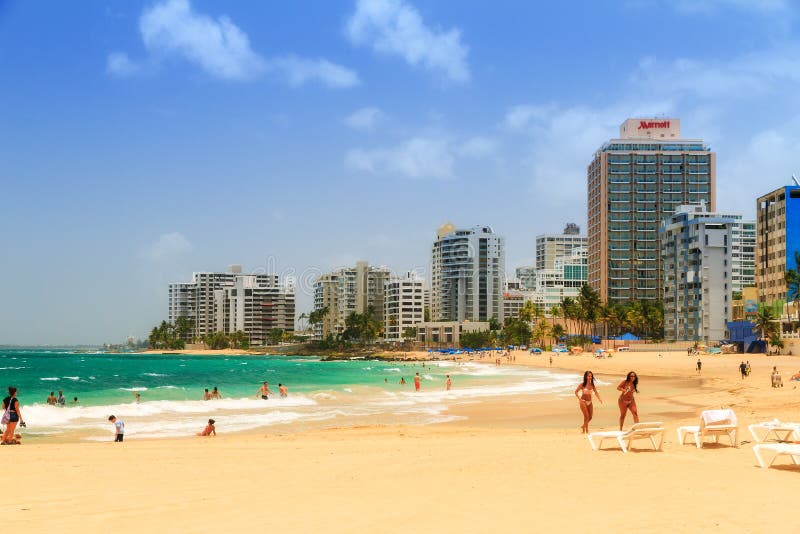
{"x": 584, "y": 393}
{"x": 12, "y": 416}
{"x": 283, "y": 390}
{"x": 119, "y": 428}
{"x": 206, "y": 395}
{"x": 448, "y": 383}
{"x": 215, "y": 394}
{"x": 416, "y": 382}
{"x": 626, "y": 401}
{"x": 264, "y": 392}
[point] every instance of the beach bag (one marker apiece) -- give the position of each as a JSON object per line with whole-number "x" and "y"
{"x": 7, "y": 414}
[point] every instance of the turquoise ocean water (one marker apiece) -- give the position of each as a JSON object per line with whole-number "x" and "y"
{"x": 340, "y": 393}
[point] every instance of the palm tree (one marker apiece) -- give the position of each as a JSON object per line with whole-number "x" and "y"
{"x": 793, "y": 284}
{"x": 764, "y": 323}
{"x": 557, "y": 332}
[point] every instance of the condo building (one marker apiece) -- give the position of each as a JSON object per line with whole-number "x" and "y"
{"x": 634, "y": 182}
{"x": 233, "y": 301}
{"x": 696, "y": 256}
{"x": 565, "y": 279}
{"x": 552, "y": 246}
{"x": 403, "y": 305}
{"x": 777, "y": 241}
{"x": 467, "y": 274}
{"x": 349, "y": 290}
{"x": 743, "y": 254}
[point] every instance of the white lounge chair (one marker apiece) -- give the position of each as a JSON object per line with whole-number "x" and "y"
{"x": 782, "y": 431}
{"x": 637, "y": 431}
{"x": 712, "y": 423}
{"x": 780, "y": 449}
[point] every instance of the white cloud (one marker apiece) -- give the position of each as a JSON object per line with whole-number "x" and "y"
{"x": 119, "y": 64}
{"x": 298, "y": 71}
{"x": 520, "y": 117}
{"x": 394, "y": 27}
{"x": 172, "y": 29}
{"x": 477, "y": 147}
{"x": 168, "y": 246}
{"x": 364, "y": 119}
{"x": 419, "y": 157}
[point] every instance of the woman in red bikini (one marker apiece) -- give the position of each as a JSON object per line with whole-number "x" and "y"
{"x": 626, "y": 401}
{"x": 584, "y": 393}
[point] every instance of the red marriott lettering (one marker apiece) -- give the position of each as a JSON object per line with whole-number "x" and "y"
{"x": 646, "y": 125}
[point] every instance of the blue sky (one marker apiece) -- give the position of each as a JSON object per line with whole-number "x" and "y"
{"x": 142, "y": 141}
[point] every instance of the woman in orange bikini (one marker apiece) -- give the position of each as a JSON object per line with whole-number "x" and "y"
{"x": 584, "y": 393}
{"x": 626, "y": 401}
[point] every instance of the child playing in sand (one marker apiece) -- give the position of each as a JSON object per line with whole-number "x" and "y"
{"x": 209, "y": 430}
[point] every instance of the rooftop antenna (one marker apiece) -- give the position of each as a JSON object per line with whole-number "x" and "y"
{"x": 794, "y": 179}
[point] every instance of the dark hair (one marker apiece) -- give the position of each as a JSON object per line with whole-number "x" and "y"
{"x": 12, "y": 390}
{"x": 75, "y": 398}
{"x": 111, "y": 417}
{"x": 635, "y": 380}
{"x": 211, "y": 421}
{"x": 586, "y": 378}
{"x": 206, "y": 389}
{"x": 215, "y": 388}
{"x": 279, "y": 384}
{"x": 52, "y": 393}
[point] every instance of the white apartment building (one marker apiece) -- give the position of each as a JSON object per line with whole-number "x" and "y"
{"x": 565, "y": 279}
{"x": 233, "y": 301}
{"x": 743, "y": 253}
{"x": 467, "y": 274}
{"x": 696, "y": 255}
{"x": 255, "y": 307}
{"x": 403, "y": 305}
{"x": 550, "y": 247}
{"x": 348, "y": 290}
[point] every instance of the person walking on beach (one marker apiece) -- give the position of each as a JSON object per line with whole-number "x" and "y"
{"x": 448, "y": 383}
{"x": 283, "y": 390}
{"x": 119, "y": 428}
{"x": 416, "y": 382}
{"x": 264, "y": 392}
{"x": 626, "y": 400}
{"x": 51, "y": 399}
{"x": 11, "y": 417}
{"x": 209, "y": 430}
{"x": 699, "y": 366}
{"x": 743, "y": 369}
{"x": 551, "y": 360}
{"x": 584, "y": 393}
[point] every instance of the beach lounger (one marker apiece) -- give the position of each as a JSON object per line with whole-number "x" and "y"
{"x": 712, "y": 423}
{"x": 780, "y": 449}
{"x": 637, "y": 431}
{"x": 782, "y": 431}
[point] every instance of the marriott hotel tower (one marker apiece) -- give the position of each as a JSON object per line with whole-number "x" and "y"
{"x": 634, "y": 182}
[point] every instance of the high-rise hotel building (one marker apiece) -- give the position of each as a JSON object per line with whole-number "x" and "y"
{"x": 634, "y": 182}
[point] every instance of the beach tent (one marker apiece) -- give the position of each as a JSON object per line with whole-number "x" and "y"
{"x": 628, "y": 337}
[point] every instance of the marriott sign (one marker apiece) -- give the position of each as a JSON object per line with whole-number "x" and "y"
{"x": 646, "y": 125}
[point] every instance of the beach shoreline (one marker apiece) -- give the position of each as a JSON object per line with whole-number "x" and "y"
{"x": 513, "y": 464}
